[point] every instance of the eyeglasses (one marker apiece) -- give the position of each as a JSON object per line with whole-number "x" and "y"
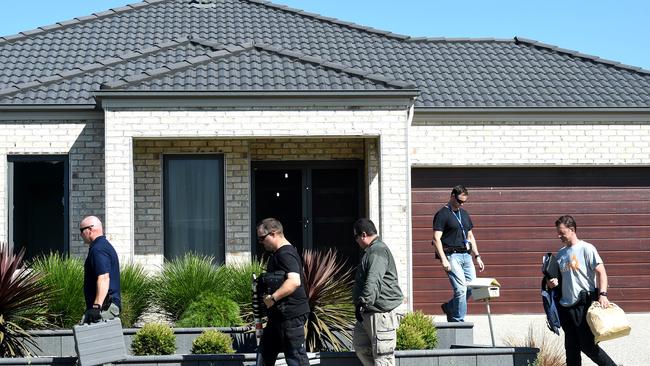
{"x": 82, "y": 229}
{"x": 459, "y": 200}
{"x": 261, "y": 238}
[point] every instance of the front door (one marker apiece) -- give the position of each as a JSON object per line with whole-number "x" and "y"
{"x": 38, "y": 204}
{"x": 317, "y": 203}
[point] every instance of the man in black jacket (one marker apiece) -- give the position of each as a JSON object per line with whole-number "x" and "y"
{"x": 288, "y": 306}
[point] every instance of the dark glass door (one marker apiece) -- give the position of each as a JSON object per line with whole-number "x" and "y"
{"x": 317, "y": 203}
{"x": 38, "y": 204}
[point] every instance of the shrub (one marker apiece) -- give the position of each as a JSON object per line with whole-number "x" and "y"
{"x": 181, "y": 280}
{"x": 408, "y": 337}
{"x": 136, "y": 288}
{"x": 210, "y": 310}
{"x": 416, "y": 325}
{"x": 23, "y": 299}
{"x": 236, "y": 285}
{"x": 551, "y": 349}
{"x": 154, "y": 339}
{"x": 329, "y": 288}
{"x": 65, "y": 276}
{"x": 211, "y": 342}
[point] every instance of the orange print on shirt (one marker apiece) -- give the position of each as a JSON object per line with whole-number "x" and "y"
{"x": 574, "y": 264}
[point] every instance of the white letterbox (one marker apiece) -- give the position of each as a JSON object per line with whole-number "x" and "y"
{"x": 484, "y": 288}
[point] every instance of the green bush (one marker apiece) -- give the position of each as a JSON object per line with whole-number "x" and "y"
{"x": 408, "y": 337}
{"x": 154, "y": 339}
{"x": 416, "y": 325}
{"x": 65, "y": 276}
{"x": 236, "y": 285}
{"x": 136, "y": 288}
{"x": 210, "y": 310}
{"x": 211, "y": 342}
{"x": 181, "y": 280}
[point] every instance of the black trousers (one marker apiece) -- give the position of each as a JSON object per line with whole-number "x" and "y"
{"x": 578, "y": 336}
{"x": 286, "y": 336}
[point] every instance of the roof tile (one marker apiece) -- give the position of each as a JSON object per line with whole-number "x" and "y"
{"x": 460, "y": 72}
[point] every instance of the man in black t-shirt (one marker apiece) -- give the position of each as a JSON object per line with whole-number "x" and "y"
{"x": 454, "y": 243}
{"x": 288, "y": 306}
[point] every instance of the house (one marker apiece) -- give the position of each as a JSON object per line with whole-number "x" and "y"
{"x": 182, "y": 122}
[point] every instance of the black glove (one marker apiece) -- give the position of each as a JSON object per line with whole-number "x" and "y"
{"x": 92, "y": 316}
{"x": 358, "y": 311}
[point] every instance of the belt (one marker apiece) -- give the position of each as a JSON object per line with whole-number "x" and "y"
{"x": 452, "y": 250}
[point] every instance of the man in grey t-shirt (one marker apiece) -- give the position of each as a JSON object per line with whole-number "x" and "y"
{"x": 581, "y": 269}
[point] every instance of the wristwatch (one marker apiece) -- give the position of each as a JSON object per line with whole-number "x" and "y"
{"x": 271, "y": 297}
{"x": 602, "y": 293}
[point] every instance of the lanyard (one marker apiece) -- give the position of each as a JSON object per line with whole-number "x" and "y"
{"x": 460, "y": 221}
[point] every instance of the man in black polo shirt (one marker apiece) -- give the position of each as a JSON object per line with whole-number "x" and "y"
{"x": 101, "y": 273}
{"x": 288, "y": 306}
{"x": 454, "y": 243}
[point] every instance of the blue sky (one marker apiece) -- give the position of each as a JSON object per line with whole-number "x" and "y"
{"x": 615, "y": 30}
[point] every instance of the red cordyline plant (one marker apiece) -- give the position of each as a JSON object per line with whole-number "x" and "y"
{"x": 328, "y": 283}
{"x": 22, "y": 303}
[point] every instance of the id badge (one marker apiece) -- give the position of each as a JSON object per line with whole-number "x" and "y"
{"x": 468, "y": 245}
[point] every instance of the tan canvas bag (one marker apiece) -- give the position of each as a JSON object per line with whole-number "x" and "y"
{"x": 607, "y": 323}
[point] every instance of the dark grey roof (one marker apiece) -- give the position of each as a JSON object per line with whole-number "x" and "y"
{"x": 65, "y": 63}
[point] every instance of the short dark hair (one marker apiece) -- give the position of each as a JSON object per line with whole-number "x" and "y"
{"x": 568, "y": 221}
{"x": 271, "y": 224}
{"x": 458, "y": 190}
{"x": 364, "y": 226}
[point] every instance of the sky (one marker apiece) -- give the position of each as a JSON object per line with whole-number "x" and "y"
{"x": 613, "y": 30}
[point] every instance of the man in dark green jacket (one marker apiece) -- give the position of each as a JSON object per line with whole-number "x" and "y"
{"x": 376, "y": 295}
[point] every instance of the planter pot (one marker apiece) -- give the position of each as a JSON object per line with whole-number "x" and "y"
{"x": 501, "y": 356}
{"x": 60, "y": 343}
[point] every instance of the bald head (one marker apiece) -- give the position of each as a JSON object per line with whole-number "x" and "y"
{"x": 90, "y": 228}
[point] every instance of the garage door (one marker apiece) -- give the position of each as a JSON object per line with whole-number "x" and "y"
{"x": 514, "y": 211}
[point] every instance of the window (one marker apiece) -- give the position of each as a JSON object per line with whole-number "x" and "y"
{"x": 193, "y": 205}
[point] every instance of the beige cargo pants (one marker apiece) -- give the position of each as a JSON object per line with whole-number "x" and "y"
{"x": 375, "y": 338}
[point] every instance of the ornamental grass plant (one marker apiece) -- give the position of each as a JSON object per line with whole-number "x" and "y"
{"x": 551, "y": 348}
{"x": 328, "y": 283}
{"x": 136, "y": 289}
{"x": 181, "y": 280}
{"x": 65, "y": 277}
{"x": 236, "y": 282}
{"x": 23, "y": 299}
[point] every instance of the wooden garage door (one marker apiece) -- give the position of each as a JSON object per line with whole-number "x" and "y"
{"x": 514, "y": 211}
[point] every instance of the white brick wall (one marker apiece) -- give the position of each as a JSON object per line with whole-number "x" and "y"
{"x": 530, "y": 144}
{"x": 82, "y": 142}
{"x": 390, "y": 126}
{"x": 148, "y": 235}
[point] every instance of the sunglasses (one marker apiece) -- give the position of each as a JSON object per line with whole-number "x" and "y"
{"x": 459, "y": 200}
{"x": 82, "y": 229}
{"x": 261, "y": 238}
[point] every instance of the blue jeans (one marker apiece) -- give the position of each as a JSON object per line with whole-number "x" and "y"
{"x": 462, "y": 272}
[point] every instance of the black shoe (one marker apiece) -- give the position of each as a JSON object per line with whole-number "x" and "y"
{"x": 443, "y": 306}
